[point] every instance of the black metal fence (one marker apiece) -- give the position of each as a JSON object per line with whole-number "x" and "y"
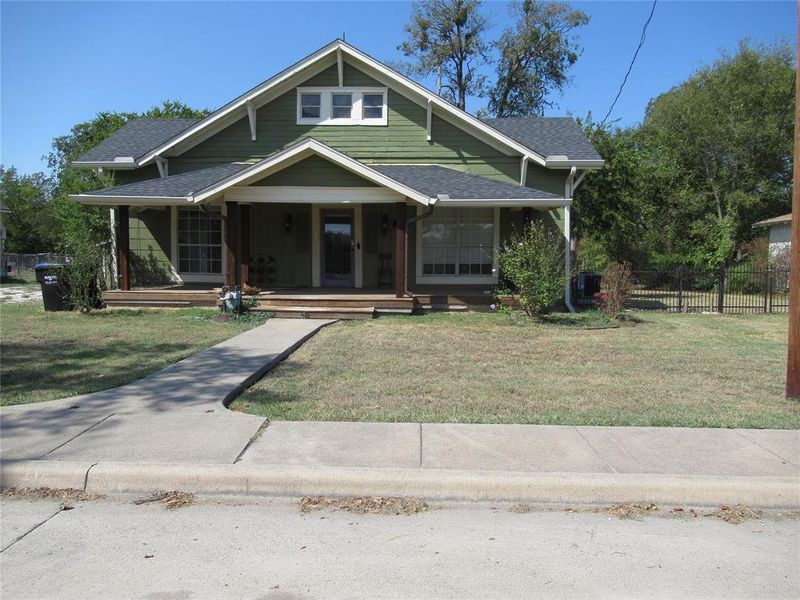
{"x": 740, "y": 288}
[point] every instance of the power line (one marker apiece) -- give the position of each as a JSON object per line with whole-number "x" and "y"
{"x": 633, "y": 60}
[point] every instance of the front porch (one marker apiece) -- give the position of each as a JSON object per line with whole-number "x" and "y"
{"x": 342, "y": 303}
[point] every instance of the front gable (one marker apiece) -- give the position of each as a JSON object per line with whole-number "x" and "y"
{"x": 314, "y": 171}
{"x": 402, "y": 140}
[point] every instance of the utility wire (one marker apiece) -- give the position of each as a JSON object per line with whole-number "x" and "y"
{"x": 633, "y": 60}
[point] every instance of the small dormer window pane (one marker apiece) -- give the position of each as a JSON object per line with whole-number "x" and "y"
{"x": 373, "y": 106}
{"x": 342, "y": 106}
{"x": 310, "y": 104}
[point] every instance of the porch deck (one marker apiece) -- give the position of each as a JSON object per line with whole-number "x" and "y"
{"x": 307, "y": 302}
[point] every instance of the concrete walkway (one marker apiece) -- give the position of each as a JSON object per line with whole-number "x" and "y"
{"x": 176, "y": 415}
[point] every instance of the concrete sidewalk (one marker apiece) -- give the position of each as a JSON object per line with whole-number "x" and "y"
{"x": 175, "y": 415}
{"x": 523, "y": 463}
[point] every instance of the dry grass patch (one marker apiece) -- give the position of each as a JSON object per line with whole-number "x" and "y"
{"x": 637, "y": 512}
{"x": 169, "y": 500}
{"x": 46, "y": 493}
{"x": 391, "y": 505}
{"x": 665, "y": 370}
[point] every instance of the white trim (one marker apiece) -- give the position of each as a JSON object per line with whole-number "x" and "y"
{"x": 251, "y": 116}
{"x": 182, "y": 277}
{"x": 95, "y": 199}
{"x": 107, "y": 164}
{"x": 523, "y": 170}
{"x": 312, "y": 195}
{"x": 316, "y": 244}
{"x": 565, "y": 163}
{"x": 429, "y": 118}
{"x": 458, "y": 279}
{"x": 356, "y": 111}
{"x": 568, "y": 189}
{"x": 298, "y": 152}
{"x": 163, "y": 166}
{"x": 506, "y": 202}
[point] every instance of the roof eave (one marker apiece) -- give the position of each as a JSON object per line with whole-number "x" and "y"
{"x": 120, "y": 165}
{"x": 506, "y": 202}
{"x": 112, "y": 200}
{"x": 580, "y": 164}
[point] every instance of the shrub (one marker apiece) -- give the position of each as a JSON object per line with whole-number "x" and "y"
{"x": 83, "y": 282}
{"x": 616, "y": 287}
{"x": 532, "y": 262}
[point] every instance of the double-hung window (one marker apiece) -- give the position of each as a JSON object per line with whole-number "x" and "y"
{"x": 459, "y": 243}
{"x": 199, "y": 240}
{"x": 342, "y": 106}
{"x": 310, "y": 106}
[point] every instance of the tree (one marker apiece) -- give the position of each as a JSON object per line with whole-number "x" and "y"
{"x": 535, "y": 56}
{"x": 723, "y": 141}
{"x": 30, "y": 224}
{"x": 446, "y": 37}
{"x": 90, "y": 224}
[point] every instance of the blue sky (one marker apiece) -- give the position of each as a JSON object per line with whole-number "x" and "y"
{"x": 62, "y": 62}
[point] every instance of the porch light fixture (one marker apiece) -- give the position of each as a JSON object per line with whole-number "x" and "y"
{"x": 287, "y": 224}
{"x": 384, "y": 223}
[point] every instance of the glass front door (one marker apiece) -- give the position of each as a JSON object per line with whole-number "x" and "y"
{"x": 338, "y": 248}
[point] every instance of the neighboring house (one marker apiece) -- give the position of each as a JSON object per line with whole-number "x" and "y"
{"x": 780, "y": 234}
{"x": 3, "y": 210}
{"x": 337, "y": 172}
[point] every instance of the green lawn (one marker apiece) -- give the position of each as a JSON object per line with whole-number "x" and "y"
{"x": 667, "y": 370}
{"x": 44, "y": 355}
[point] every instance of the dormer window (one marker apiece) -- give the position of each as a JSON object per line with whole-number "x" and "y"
{"x": 342, "y": 106}
{"x": 310, "y": 106}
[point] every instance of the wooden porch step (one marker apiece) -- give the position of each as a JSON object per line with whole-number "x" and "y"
{"x": 146, "y": 303}
{"x": 333, "y": 301}
{"x": 318, "y": 312}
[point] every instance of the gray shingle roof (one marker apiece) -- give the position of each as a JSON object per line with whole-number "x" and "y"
{"x": 432, "y": 180}
{"x": 548, "y": 136}
{"x": 174, "y": 186}
{"x": 136, "y": 138}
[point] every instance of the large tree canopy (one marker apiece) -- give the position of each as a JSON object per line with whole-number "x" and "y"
{"x": 534, "y": 57}
{"x": 713, "y": 156}
{"x": 446, "y": 37}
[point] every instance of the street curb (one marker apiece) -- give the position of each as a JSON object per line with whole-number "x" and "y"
{"x": 270, "y": 481}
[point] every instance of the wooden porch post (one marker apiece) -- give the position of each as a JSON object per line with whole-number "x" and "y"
{"x": 400, "y": 250}
{"x": 244, "y": 245}
{"x": 231, "y": 227}
{"x": 124, "y": 248}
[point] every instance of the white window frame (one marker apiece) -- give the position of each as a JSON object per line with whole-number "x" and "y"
{"x": 189, "y": 276}
{"x": 460, "y": 279}
{"x": 357, "y": 113}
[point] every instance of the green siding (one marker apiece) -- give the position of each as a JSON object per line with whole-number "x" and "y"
{"x": 280, "y": 258}
{"x": 150, "y": 246}
{"x": 315, "y": 171}
{"x": 403, "y": 140}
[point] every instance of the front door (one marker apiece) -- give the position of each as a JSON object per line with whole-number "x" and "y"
{"x": 338, "y": 248}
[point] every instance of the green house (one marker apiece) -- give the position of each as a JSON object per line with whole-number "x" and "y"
{"x": 337, "y": 172}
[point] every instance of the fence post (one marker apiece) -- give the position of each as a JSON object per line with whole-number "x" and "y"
{"x": 769, "y": 289}
{"x": 721, "y": 290}
{"x": 680, "y": 289}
